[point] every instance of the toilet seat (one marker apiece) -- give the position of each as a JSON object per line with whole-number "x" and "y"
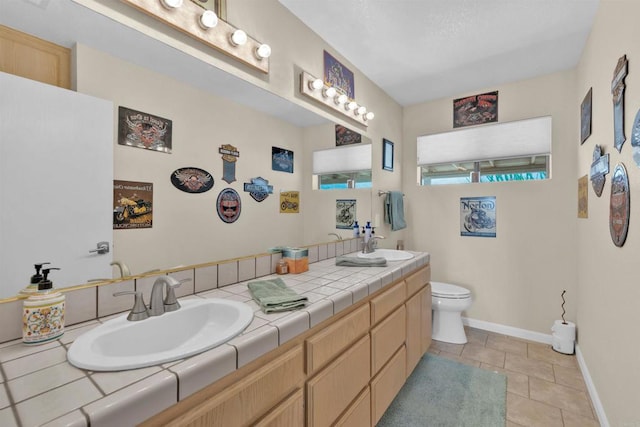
{"x": 449, "y": 291}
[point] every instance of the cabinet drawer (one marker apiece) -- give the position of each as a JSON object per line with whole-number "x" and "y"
{"x": 334, "y": 388}
{"x": 359, "y": 413}
{"x": 387, "y": 301}
{"x": 387, "y": 337}
{"x": 327, "y": 344}
{"x": 289, "y": 413}
{"x": 418, "y": 279}
{"x": 386, "y": 385}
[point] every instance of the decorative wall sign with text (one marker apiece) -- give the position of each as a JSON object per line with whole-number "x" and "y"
{"x": 585, "y": 117}
{"x": 281, "y": 160}
{"x": 635, "y": 139}
{"x": 583, "y": 197}
{"x": 142, "y": 130}
{"x": 338, "y": 76}
{"x": 192, "y": 180}
{"x": 229, "y": 205}
{"x": 478, "y": 216}
{"x": 258, "y": 188}
{"x": 475, "y": 109}
{"x": 132, "y": 205}
{"x": 230, "y": 156}
{"x": 599, "y": 168}
{"x": 345, "y": 136}
{"x": 290, "y": 202}
{"x": 617, "y": 90}
{"x": 345, "y": 213}
{"x": 619, "y": 205}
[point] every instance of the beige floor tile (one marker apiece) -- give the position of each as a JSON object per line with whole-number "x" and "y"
{"x": 545, "y": 353}
{"x": 512, "y": 424}
{"x": 460, "y": 359}
{"x": 531, "y": 367}
{"x": 447, "y": 347}
{"x": 571, "y": 377}
{"x": 507, "y": 345}
{"x": 517, "y": 382}
{"x": 484, "y": 355}
{"x": 574, "y": 420}
{"x": 530, "y": 413}
{"x": 560, "y": 396}
{"x": 476, "y": 336}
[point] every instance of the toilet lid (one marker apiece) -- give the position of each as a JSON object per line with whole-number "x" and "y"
{"x": 447, "y": 290}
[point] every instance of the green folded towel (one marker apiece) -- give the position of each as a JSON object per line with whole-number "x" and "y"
{"x": 351, "y": 261}
{"x": 273, "y": 296}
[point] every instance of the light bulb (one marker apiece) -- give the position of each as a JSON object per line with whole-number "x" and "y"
{"x": 340, "y": 99}
{"x": 238, "y": 38}
{"x": 263, "y": 51}
{"x": 171, "y": 4}
{"x": 351, "y": 106}
{"x": 208, "y": 19}
{"x": 329, "y": 92}
{"x": 361, "y": 110}
{"x": 316, "y": 84}
{"x": 369, "y": 116}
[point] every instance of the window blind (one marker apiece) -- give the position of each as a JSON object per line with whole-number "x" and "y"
{"x": 350, "y": 158}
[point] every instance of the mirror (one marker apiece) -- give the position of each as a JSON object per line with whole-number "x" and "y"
{"x": 208, "y": 108}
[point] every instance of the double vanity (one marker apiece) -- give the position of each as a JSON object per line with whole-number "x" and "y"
{"x": 338, "y": 361}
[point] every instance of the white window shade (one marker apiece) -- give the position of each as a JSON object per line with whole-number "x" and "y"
{"x": 522, "y": 138}
{"x": 350, "y": 158}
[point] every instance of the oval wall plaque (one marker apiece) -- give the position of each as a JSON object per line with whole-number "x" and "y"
{"x": 228, "y": 205}
{"x": 635, "y": 139}
{"x": 619, "y": 205}
{"x": 192, "y": 180}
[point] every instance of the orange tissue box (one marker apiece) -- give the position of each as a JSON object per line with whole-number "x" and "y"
{"x": 297, "y": 259}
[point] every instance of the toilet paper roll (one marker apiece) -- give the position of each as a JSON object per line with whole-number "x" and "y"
{"x": 564, "y": 330}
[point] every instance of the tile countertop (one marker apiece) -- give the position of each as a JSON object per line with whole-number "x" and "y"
{"x": 39, "y": 387}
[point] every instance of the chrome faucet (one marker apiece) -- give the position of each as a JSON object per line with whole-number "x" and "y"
{"x": 338, "y": 237}
{"x": 371, "y": 244}
{"x": 159, "y": 304}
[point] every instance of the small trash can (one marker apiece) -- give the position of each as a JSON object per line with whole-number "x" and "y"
{"x": 563, "y": 337}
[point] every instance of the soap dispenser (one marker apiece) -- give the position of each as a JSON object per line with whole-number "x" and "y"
{"x": 43, "y": 313}
{"x": 356, "y": 229}
{"x": 367, "y": 232}
{"x": 35, "y": 279}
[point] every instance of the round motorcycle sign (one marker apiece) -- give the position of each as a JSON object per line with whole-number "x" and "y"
{"x": 619, "y": 205}
{"x": 228, "y": 205}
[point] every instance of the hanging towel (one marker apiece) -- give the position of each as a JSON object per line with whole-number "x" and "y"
{"x": 273, "y": 296}
{"x": 352, "y": 261}
{"x": 394, "y": 210}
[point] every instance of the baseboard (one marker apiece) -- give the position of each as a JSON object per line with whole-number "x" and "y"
{"x": 545, "y": 339}
{"x": 593, "y": 393}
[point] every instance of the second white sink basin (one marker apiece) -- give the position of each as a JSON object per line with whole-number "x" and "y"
{"x": 197, "y": 326}
{"x": 388, "y": 254}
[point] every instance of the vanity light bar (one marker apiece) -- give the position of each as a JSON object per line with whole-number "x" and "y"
{"x": 204, "y": 26}
{"x": 315, "y": 88}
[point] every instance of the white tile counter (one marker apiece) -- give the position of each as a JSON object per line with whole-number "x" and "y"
{"x": 39, "y": 387}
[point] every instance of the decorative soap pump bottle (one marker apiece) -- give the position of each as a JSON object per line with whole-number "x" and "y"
{"x": 43, "y": 313}
{"x": 35, "y": 279}
{"x": 367, "y": 232}
{"x": 356, "y": 229}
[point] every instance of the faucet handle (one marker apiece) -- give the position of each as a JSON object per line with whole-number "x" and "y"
{"x": 139, "y": 310}
{"x": 170, "y": 301}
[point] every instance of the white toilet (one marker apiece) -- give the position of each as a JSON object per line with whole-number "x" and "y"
{"x": 448, "y": 302}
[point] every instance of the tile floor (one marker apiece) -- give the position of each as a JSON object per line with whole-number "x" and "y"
{"x": 544, "y": 388}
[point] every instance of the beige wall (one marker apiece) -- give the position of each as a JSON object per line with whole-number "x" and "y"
{"x": 516, "y": 278}
{"x": 608, "y": 315}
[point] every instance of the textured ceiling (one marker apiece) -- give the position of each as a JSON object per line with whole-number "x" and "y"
{"x": 419, "y": 50}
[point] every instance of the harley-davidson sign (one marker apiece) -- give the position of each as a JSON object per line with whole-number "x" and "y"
{"x": 619, "y": 205}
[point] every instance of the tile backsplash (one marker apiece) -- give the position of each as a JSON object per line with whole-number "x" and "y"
{"x": 92, "y": 302}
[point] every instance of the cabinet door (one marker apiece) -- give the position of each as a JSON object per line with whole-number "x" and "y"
{"x": 289, "y": 413}
{"x": 359, "y": 414}
{"x": 386, "y": 385}
{"x": 387, "y": 337}
{"x": 414, "y": 331}
{"x": 334, "y": 388}
{"x": 426, "y": 318}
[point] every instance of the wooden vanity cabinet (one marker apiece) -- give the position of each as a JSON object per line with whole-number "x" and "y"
{"x": 289, "y": 413}
{"x": 418, "y": 326}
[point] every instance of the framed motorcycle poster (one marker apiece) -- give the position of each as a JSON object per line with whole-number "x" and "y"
{"x": 132, "y": 204}
{"x": 478, "y": 216}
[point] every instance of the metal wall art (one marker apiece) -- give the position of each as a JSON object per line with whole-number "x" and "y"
{"x": 478, "y": 216}
{"x": 132, "y": 205}
{"x": 228, "y": 205}
{"x": 599, "y": 168}
{"x": 619, "y": 206}
{"x": 142, "y": 130}
{"x": 230, "y": 156}
{"x": 192, "y": 180}
{"x": 290, "y": 202}
{"x": 583, "y": 197}
{"x": 475, "y": 109}
{"x": 338, "y": 76}
{"x": 635, "y": 139}
{"x": 585, "y": 117}
{"x": 617, "y": 90}
{"x": 345, "y": 213}
{"x": 281, "y": 160}
{"x": 259, "y": 189}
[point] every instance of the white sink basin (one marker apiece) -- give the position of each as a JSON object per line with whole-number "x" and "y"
{"x": 388, "y": 254}
{"x": 197, "y": 326}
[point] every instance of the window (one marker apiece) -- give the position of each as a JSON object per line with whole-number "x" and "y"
{"x": 512, "y": 151}
{"x": 342, "y": 167}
